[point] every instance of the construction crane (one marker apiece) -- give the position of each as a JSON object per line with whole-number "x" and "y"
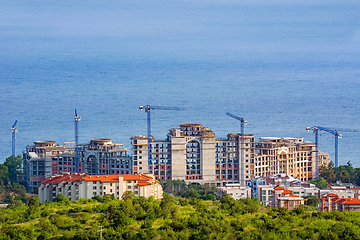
{"x": 13, "y": 130}
{"x": 242, "y": 123}
{"x": 337, "y": 135}
{"x": 147, "y": 109}
{"x": 77, "y": 119}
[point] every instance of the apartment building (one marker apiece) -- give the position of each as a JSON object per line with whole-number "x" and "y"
{"x": 100, "y": 156}
{"x": 193, "y": 154}
{"x": 283, "y": 198}
{"x": 332, "y": 202}
{"x": 292, "y": 156}
{"x": 75, "y": 186}
{"x": 262, "y": 188}
{"x": 235, "y": 190}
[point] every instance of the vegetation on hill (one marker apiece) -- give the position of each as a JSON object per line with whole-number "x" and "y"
{"x": 10, "y": 189}
{"x": 170, "y": 218}
{"x": 345, "y": 173}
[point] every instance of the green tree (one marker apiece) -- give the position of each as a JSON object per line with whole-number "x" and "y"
{"x": 60, "y": 198}
{"x": 343, "y": 175}
{"x": 356, "y": 177}
{"x": 312, "y": 201}
{"x": 4, "y": 176}
{"x": 128, "y": 195}
{"x": 328, "y": 172}
{"x": 319, "y": 183}
{"x": 18, "y": 166}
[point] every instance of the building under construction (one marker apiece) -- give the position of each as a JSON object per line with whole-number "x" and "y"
{"x": 193, "y": 154}
{"x": 46, "y": 158}
{"x": 190, "y": 153}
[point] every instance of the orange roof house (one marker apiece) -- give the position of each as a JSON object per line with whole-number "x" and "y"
{"x": 75, "y": 186}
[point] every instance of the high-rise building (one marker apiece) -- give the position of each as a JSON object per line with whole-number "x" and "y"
{"x": 46, "y": 158}
{"x": 292, "y": 156}
{"x": 193, "y": 154}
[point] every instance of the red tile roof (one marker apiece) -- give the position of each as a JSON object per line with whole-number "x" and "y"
{"x": 72, "y": 177}
{"x": 352, "y": 201}
{"x": 279, "y": 188}
{"x": 144, "y": 183}
{"x": 286, "y": 191}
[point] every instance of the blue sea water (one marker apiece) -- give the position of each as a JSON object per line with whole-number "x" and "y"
{"x": 282, "y": 65}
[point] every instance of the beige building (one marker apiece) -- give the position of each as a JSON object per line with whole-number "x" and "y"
{"x": 193, "y": 154}
{"x": 283, "y": 198}
{"x": 47, "y": 158}
{"x": 332, "y": 202}
{"x": 292, "y": 156}
{"x": 75, "y": 186}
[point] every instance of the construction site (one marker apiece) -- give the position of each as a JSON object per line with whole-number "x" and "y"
{"x": 191, "y": 153}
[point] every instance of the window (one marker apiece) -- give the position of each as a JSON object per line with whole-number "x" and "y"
{"x": 129, "y": 187}
{"x": 94, "y": 187}
{"x": 94, "y": 182}
{"x": 94, "y": 193}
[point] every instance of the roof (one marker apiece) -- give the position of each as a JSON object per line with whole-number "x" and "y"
{"x": 72, "y": 177}
{"x": 279, "y": 188}
{"x": 115, "y": 178}
{"x": 286, "y": 191}
{"x": 102, "y": 178}
{"x": 66, "y": 177}
{"x": 144, "y": 183}
{"x": 352, "y": 201}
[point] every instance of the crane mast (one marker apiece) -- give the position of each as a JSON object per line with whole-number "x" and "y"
{"x": 13, "y": 130}
{"x": 337, "y": 135}
{"x": 148, "y": 109}
{"x": 77, "y": 119}
{"x": 242, "y": 123}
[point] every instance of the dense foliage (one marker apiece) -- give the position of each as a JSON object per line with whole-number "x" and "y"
{"x": 10, "y": 189}
{"x": 170, "y": 218}
{"x": 345, "y": 174}
{"x": 192, "y": 190}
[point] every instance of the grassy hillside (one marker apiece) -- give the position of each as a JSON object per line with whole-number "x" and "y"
{"x": 140, "y": 218}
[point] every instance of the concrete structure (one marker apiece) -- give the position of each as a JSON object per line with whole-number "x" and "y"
{"x": 75, "y": 186}
{"x": 292, "y": 156}
{"x": 235, "y": 190}
{"x": 342, "y": 193}
{"x": 193, "y": 154}
{"x": 46, "y": 158}
{"x": 332, "y": 202}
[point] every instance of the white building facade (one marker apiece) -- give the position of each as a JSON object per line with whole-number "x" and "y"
{"x": 235, "y": 190}
{"x": 75, "y": 186}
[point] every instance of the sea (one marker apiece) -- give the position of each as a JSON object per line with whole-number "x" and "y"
{"x": 281, "y": 65}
